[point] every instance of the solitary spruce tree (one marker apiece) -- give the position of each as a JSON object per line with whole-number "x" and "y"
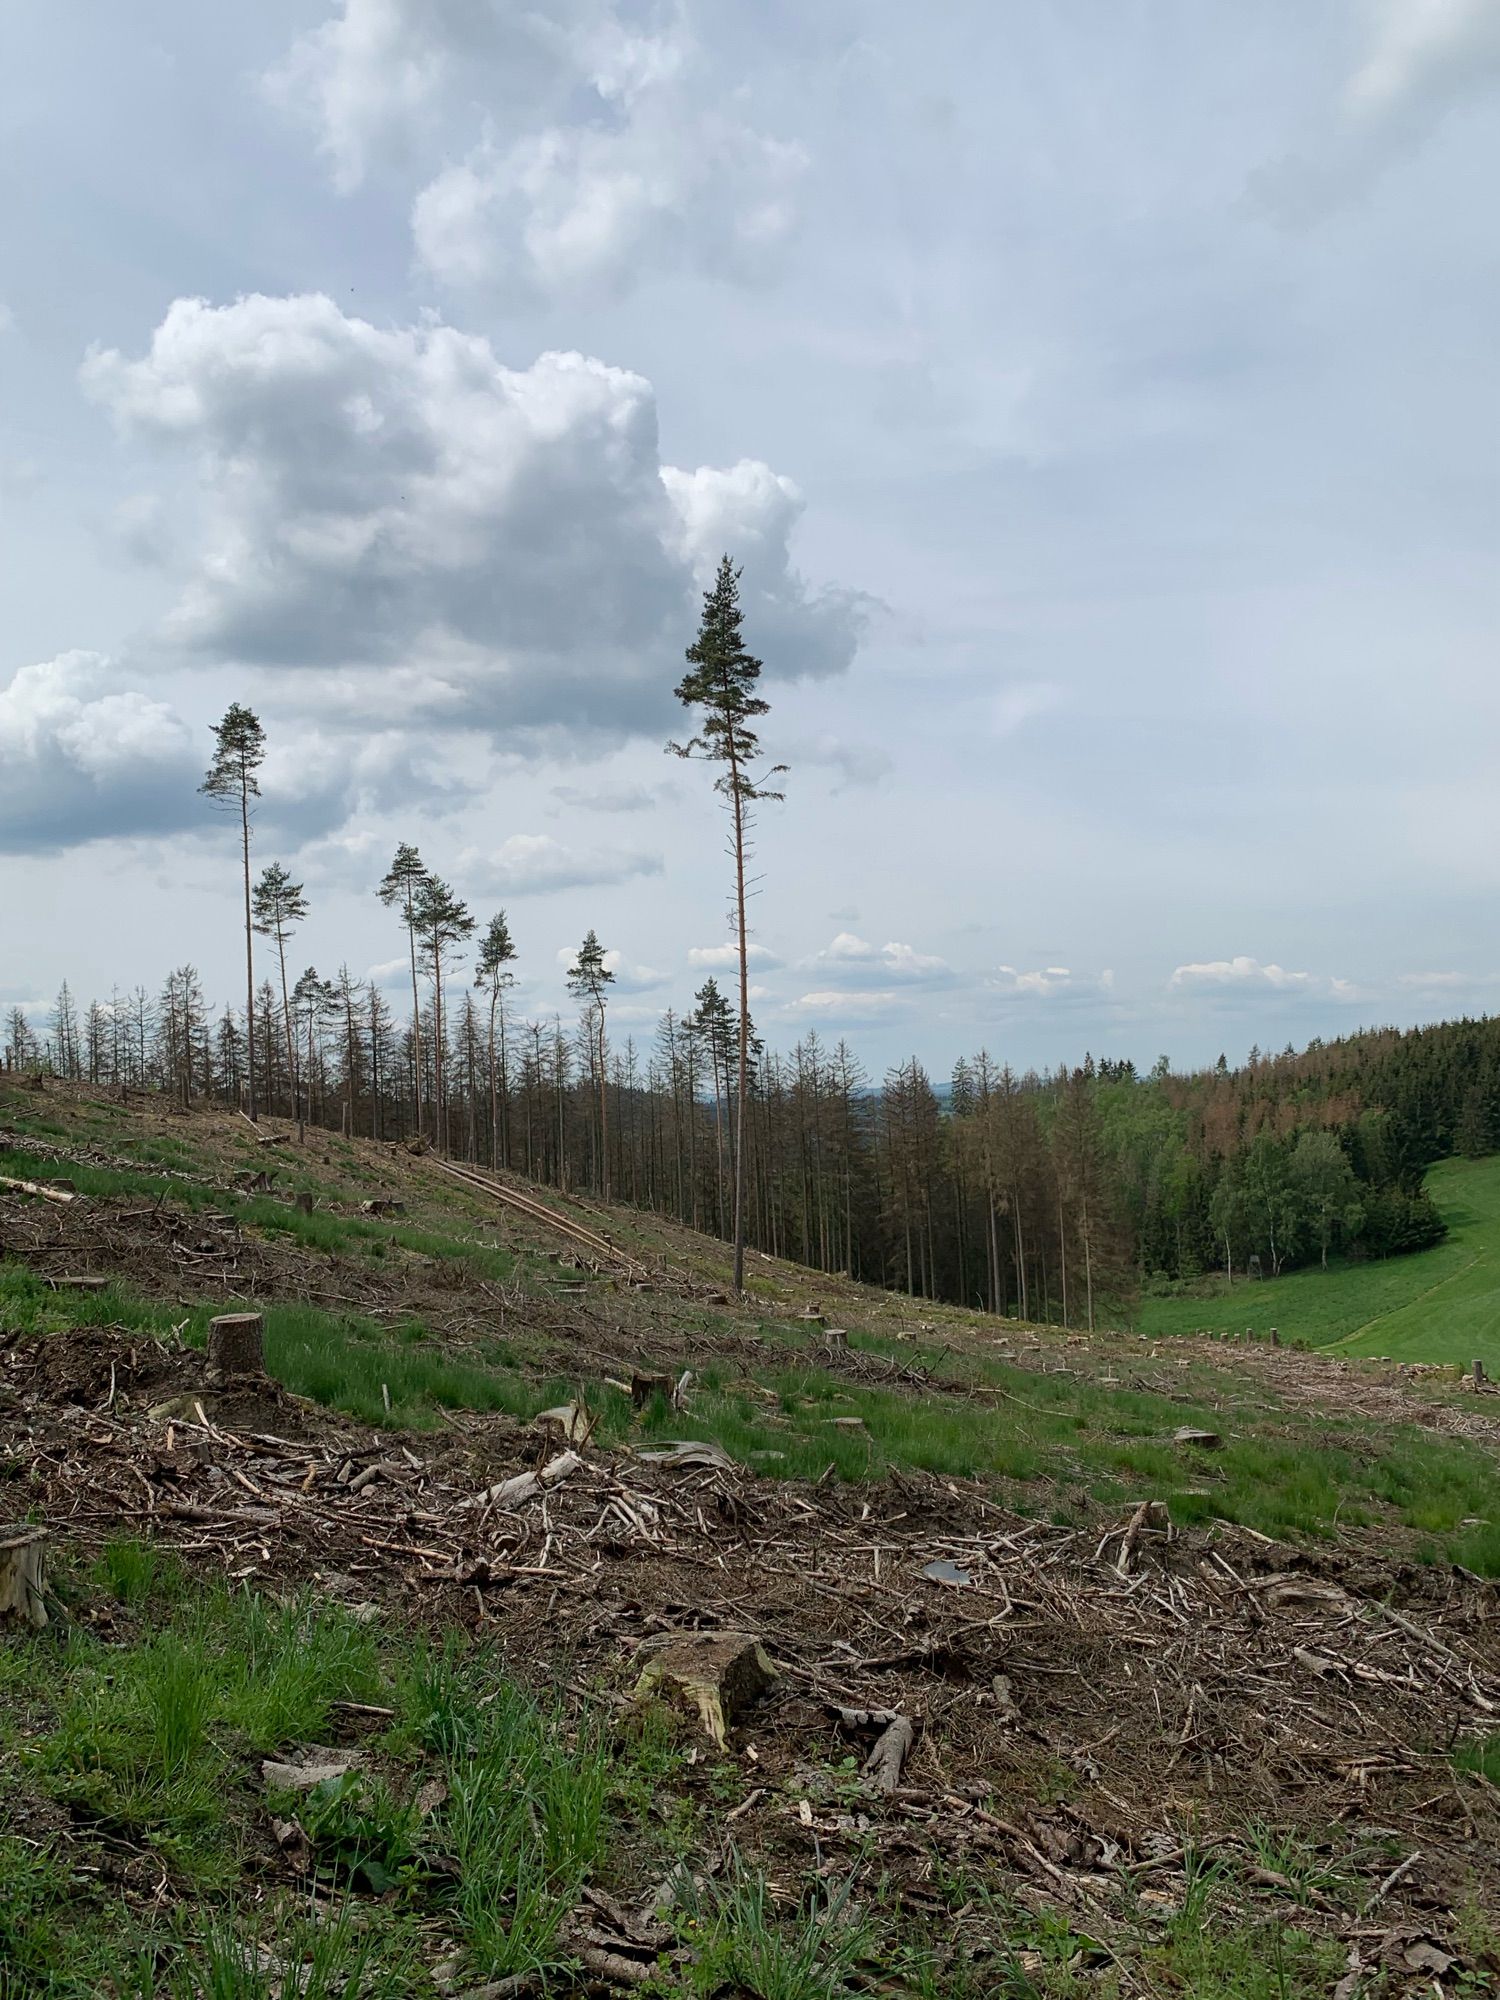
{"x": 720, "y": 686}
{"x": 399, "y": 890}
{"x": 239, "y": 752}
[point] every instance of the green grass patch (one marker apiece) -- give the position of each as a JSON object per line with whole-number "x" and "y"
{"x": 395, "y": 1377}
{"x": 1441, "y": 1304}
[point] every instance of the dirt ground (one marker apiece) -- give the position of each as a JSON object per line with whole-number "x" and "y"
{"x": 1088, "y": 1702}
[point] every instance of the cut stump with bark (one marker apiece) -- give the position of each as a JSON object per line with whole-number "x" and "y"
{"x": 236, "y": 1347}
{"x": 23, "y": 1553}
{"x": 715, "y": 1675}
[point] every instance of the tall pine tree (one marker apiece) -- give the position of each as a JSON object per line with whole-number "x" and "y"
{"x": 720, "y": 686}
{"x": 239, "y": 752}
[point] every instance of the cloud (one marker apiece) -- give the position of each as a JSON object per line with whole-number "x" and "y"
{"x": 590, "y": 209}
{"x": 1240, "y": 972}
{"x": 7, "y": 318}
{"x": 605, "y": 148}
{"x": 84, "y": 758}
{"x": 432, "y": 537}
{"x": 726, "y": 957}
{"x": 1423, "y": 60}
{"x": 846, "y": 1009}
{"x": 530, "y": 864}
{"x": 1049, "y": 982}
{"x": 1247, "y": 977}
{"x": 851, "y": 960}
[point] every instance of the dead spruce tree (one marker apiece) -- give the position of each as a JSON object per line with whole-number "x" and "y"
{"x": 279, "y": 906}
{"x": 239, "y": 752}
{"x": 399, "y": 890}
{"x": 720, "y": 686}
{"x": 442, "y": 922}
{"x": 588, "y": 976}
{"x": 492, "y": 975}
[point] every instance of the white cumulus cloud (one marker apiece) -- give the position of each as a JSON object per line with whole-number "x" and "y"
{"x": 565, "y": 146}
{"x": 851, "y": 960}
{"x": 504, "y": 545}
{"x": 726, "y": 957}
{"x": 83, "y": 756}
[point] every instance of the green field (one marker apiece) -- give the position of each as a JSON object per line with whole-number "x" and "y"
{"x": 1439, "y": 1305}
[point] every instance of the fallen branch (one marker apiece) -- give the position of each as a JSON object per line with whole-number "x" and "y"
{"x": 36, "y": 1187}
{"x": 527, "y": 1486}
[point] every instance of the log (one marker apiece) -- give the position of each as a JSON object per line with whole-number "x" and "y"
{"x": 236, "y": 1346}
{"x": 60, "y": 1191}
{"x": 77, "y": 1284}
{"x": 512, "y": 1493}
{"x": 22, "y": 1575}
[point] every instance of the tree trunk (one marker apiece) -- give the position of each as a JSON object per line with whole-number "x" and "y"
{"x": 744, "y": 1050}
{"x": 249, "y": 949}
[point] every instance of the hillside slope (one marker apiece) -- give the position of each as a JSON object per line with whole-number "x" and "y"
{"x": 1157, "y": 1616}
{"x": 1441, "y": 1304}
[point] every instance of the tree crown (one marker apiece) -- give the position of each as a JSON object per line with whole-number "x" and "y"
{"x": 403, "y": 879}
{"x": 721, "y": 685}
{"x": 496, "y": 950}
{"x": 239, "y": 752}
{"x": 277, "y": 902}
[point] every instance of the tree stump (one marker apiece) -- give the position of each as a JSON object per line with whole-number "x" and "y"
{"x": 22, "y": 1562}
{"x": 303, "y": 1203}
{"x": 1478, "y": 1374}
{"x": 235, "y": 1346}
{"x": 1275, "y": 1337}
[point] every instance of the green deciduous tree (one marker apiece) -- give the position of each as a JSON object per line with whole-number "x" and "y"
{"x": 239, "y": 752}
{"x": 720, "y": 687}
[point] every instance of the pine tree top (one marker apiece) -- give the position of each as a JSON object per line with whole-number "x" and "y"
{"x": 721, "y": 686}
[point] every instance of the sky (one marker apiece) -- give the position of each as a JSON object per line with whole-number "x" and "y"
{"x": 1100, "y": 398}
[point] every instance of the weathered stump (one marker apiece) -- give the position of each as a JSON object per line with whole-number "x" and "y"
{"x": 22, "y": 1565}
{"x": 303, "y": 1203}
{"x": 236, "y": 1346}
{"x": 646, "y": 1384}
{"x": 714, "y": 1675}
{"x": 1478, "y": 1374}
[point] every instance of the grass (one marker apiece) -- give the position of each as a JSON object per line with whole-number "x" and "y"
{"x": 1033, "y": 1435}
{"x": 386, "y": 1377}
{"x": 154, "y": 1745}
{"x": 1441, "y": 1304}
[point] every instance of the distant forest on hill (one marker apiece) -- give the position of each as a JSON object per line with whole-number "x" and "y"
{"x": 1053, "y": 1197}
